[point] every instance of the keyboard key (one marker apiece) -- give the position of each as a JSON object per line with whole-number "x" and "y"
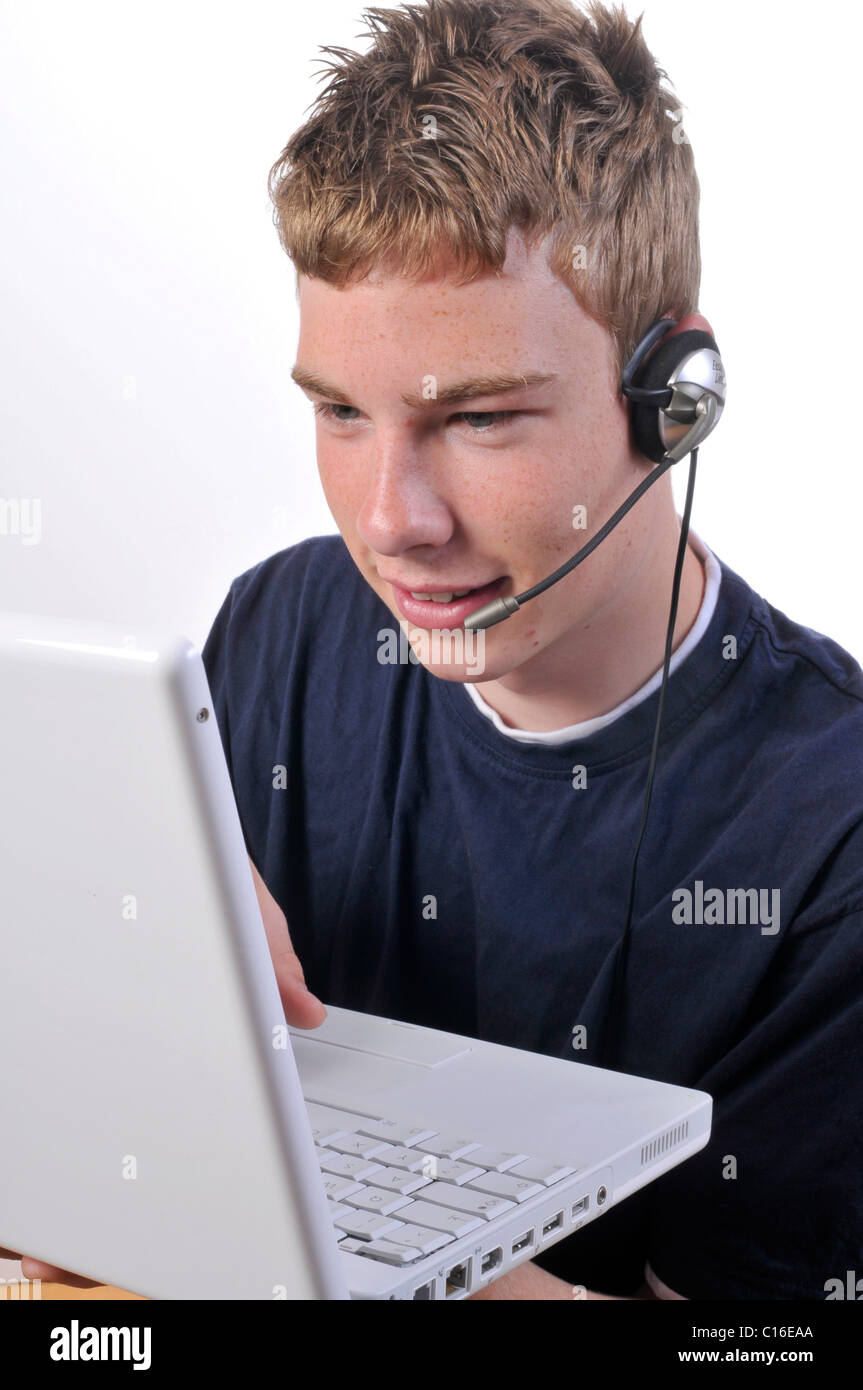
{"x": 397, "y": 1180}
{"x": 326, "y": 1122}
{"x": 482, "y": 1204}
{"x": 450, "y": 1170}
{"x": 421, "y": 1238}
{"x": 367, "y": 1225}
{"x": 495, "y": 1160}
{"x": 349, "y": 1166}
{"x": 395, "y": 1131}
{"x": 381, "y": 1250}
{"x": 408, "y": 1159}
{"x": 376, "y": 1199}
{"x": 359, "y": 1145}
{"x": 339, "y": 1188}
{"x": 338, "y": 1209}
{"x": 505, "y": 1185}
{"x": 446, "y": 1147}
{"x": 457, "y": 1223}
{"x": 541, "y": 1170}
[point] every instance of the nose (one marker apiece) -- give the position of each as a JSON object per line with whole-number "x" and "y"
{"x": 403, "y": 507}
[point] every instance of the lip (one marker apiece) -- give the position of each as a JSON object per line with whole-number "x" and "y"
{"x": 433, "y": 616}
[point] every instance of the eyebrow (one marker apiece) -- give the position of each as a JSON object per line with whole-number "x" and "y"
{"x": 446, "y": 395}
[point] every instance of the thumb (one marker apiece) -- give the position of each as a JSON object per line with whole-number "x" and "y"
{"x": 302, "y": 1008}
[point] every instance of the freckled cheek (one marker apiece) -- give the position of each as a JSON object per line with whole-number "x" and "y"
{"x": 525, "y": 513}
{"x": 343, "y": 483}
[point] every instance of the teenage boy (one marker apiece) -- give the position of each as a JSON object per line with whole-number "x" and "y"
{"x": 487, "y": 210}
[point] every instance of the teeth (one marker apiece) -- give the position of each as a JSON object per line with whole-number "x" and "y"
{"x": 440, "y": 598}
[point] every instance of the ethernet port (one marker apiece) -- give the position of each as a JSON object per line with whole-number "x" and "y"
{"x": 457, "y": 1279}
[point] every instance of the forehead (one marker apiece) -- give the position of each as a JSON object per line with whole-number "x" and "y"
{"x": 504, "y": 313}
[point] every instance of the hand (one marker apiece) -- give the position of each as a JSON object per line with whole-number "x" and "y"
{"x": 528, "y": 1281}
{"x": 302, "y": 1010}
{"x": 35, "y": 1269}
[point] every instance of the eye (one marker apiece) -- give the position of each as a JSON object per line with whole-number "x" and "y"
{"x": 326, "y": 409}
{"x": 491, "y": 419}
{"x": 495, "y": 418}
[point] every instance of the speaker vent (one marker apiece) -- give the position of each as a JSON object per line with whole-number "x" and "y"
{"x": 661, "y": 1145}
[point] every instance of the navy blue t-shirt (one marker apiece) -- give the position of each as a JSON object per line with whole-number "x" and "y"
{"x": 435, "y": 871}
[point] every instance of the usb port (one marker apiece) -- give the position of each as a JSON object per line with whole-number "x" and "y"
{"x": 580, "y": 1208}
{"x": 491, "y": 1260}
{"x": 522, "y": 1242}
{"x": 552, "y": 1224}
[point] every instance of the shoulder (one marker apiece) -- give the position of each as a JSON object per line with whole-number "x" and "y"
{"x": 790, "y": 647}
{"x": 802, "y": 690}
{"x": 306, "y": 574}
{"x": 301, "y": 631}
{"x": 811, "y": 654}
{"x": 780, "y": 751}
{"x": 305, "y": 598}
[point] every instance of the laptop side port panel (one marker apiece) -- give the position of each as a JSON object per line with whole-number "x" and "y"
{"x": 483, "y": 1264}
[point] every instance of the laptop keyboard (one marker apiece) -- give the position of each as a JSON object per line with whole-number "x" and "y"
{"x": 397, "y": 1192}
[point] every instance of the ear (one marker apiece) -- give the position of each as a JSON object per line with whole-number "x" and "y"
{"x": 685, "y": 324}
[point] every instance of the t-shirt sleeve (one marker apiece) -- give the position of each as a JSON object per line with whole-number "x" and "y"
{"x": 216, "y": 657}
{"x": 772, "y": 1208}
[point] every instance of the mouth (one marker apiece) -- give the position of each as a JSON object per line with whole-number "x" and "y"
{"x": 447, "y": 609}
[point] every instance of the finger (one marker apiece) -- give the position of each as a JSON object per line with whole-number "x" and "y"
{"x": 302, "y": 1008}
{"x": 37, "y": 1269}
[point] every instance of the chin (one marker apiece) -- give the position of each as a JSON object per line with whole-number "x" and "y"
{"x": 460, "y": 675}
{"x": 484, "y": 667}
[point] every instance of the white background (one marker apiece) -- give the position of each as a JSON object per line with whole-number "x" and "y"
{"x": 149, "y": 320}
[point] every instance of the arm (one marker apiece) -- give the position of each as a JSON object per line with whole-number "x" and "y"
{"x": 529, "y": 1281}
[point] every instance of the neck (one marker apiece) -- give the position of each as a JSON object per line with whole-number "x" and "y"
{"x": 584, "y": 676}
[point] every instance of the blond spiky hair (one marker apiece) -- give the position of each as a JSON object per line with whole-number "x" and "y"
{"x": 542, "y": 116}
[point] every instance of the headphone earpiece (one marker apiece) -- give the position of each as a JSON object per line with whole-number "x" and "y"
{"x": 676, "y": 390}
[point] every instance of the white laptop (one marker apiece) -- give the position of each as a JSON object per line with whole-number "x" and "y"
{"x": 162, "y": 1129}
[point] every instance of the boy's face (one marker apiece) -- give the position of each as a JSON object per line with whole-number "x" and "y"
{"x": 438, "y": 496}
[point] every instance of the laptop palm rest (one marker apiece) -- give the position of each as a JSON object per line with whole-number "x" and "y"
{"x": 384, "y": 1037}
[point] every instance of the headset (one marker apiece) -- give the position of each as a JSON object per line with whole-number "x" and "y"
{"x": 675, "y": 383}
